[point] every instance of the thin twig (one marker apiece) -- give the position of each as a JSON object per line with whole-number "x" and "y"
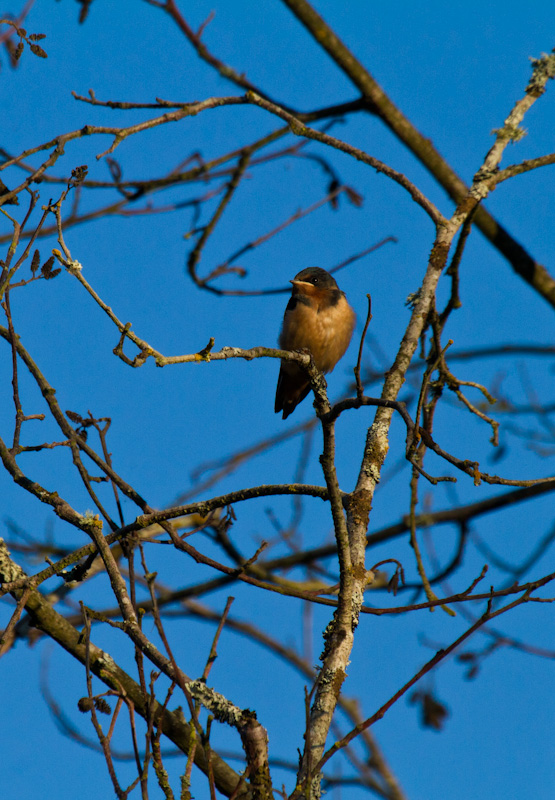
{"x": 360, "y": 387}
{"x": 213, "y": 654}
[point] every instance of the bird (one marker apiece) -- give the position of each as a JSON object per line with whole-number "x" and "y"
{"x": 318, "y": 318}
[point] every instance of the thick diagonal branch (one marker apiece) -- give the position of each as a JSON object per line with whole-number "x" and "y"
{"x": 44, "y": 617}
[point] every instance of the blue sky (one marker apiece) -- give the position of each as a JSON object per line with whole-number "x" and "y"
{"x": 455, "y": 71}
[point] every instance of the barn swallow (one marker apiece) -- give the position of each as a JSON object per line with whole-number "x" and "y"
{"x": 318, "y": 318}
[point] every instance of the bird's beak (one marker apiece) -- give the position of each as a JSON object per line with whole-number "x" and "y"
{"x": 303, "y": 285}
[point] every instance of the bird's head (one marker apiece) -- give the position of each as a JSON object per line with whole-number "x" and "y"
{"x": 314, "y": 281}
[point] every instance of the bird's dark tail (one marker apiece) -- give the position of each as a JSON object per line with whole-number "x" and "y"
{"x": 292, "y": 389}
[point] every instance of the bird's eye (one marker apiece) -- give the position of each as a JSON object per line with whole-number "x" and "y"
{"x": 315, "y": 281}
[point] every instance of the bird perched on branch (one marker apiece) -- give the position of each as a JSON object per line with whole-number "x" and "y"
{"x": 318, "y": 318}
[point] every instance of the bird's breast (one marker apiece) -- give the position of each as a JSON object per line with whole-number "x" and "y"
{"x": 325, "y": 332}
